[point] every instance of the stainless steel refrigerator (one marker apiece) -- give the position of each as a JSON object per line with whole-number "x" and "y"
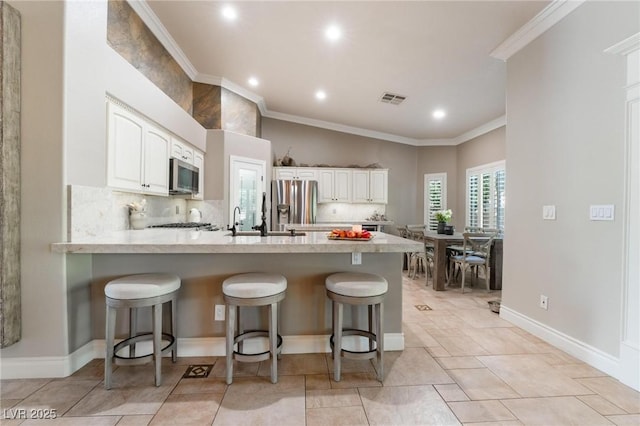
{"x": 293, "y": 201}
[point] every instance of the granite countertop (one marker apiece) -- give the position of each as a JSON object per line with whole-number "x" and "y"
{"x": 192, "y": 241}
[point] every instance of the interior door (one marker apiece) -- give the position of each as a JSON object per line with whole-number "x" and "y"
{"x": 246, "y": 187}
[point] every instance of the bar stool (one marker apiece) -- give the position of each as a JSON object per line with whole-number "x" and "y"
{"x": 356, "y": 288}
{"x": 133, "y": 292}
{"x": 253, "y": 289}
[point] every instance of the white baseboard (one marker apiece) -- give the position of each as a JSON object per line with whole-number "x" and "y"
{"x": 584, "y": 352}
{"x": 630, "y": 365}
{"x": 63, "y": 366}
{"x": 46, "y": 366}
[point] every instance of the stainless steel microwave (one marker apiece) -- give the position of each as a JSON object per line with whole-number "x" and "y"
{"x": 183, "y": 177}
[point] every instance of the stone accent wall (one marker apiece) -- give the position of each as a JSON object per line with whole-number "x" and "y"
{"x": 239, "y": 114}
{"x": 128, "y": 35}
{"x": 218, "y": 108}
{"x": 10, "y": 308}
{"x": 207, "y": 105}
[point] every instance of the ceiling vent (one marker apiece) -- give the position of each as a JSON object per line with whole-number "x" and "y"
{"x": 392, "y": 98}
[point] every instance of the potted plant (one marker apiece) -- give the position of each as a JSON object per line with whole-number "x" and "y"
{"x": 443, "y": 217}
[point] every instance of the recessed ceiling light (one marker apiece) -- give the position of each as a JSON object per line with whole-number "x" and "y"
{"x": 253, "y": 81}
{"x": 333, "y": 32}
{"x": 229, "y": 13}
{"x": 321, "y": 95}
{"x": 439, "y": 114}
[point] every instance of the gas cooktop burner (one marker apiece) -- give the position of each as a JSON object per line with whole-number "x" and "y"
{"x": 182, "y": 225}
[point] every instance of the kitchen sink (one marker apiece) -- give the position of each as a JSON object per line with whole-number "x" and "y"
{"x": 269, "y": 234}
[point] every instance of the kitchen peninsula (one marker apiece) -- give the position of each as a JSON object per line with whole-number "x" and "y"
{"x": 203, "y": 259}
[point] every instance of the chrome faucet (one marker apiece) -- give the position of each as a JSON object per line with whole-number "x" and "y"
{"x": 233, "y": 228}
{"x": 263, "y": 226}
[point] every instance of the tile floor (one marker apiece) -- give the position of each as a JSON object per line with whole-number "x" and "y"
{"x": 462, "y": 365}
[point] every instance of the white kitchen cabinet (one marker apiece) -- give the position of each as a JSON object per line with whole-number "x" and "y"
{"x": 138, "y": 153}
{"x": 295, "y": 173}
{"x": 182, "y": 151}
{"x": 334, "y": 185}
{"x": 370, "y": 186}
{"x": 187, "y": 153}
{"x": 198, "y": 161}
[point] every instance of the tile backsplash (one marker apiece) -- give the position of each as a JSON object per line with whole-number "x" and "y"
{"x": 344, "y": 212}
{"x": 97, "y": 211}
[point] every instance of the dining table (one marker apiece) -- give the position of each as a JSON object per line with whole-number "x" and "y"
{"x": 440, "y": 242}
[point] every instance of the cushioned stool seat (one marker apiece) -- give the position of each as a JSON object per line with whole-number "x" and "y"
{"x": 356, "y": 288}
{"x": 253, "y": 289}
{"x": 133, "y": 292}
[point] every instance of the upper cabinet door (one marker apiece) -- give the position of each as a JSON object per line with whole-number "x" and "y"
{"x": 198, "y": 161}
{"x": 342, "y": 186}
{"x": 307, "y": 174}
{"x": 181, "y": 150}
{"x": 370, "y": 186}
{"x": 334, "y": 185}
{"x": 378, "y": 186}
{"x": 360, "y": 192}
{"x": 125, "y": 141}
{"x": 156, "y": 161}
{"x": 284, "y": 173}
{"x": 325, "y": 186}
{"x": 293, "y": 173}
{"x": 138, "y": 153}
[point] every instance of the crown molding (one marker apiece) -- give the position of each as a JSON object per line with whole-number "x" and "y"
{"x": 545, "y": 19}
{"x": 340, "y": 127}
{"x": 481, "y": 130}
{"x": 151, "y": 20}
{"x": 626, "y": 46}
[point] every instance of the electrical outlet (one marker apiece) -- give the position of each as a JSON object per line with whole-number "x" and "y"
{"x": 544, "y": 302}
{"x": 356, "y": 258}
{"x": 177, "y": 209}
{"x": 219, "y": 313}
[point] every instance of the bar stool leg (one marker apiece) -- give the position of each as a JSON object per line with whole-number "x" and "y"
{"x": 273, "y": 340}
{"x": 110, "y": 327}
{"x": 337, "y": 339}
{"x": 174, "y": 320}
{"x": 231, "y": 320}
{"x": 372, "y": 328}
{"x": 380, "y": 339}
{"x": 240, "y": 327}
{"x": 157, "y": 343}
{"x": 133, "y": 329}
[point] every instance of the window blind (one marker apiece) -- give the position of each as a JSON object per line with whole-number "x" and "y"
{"x": 435, "y": 197}
{"x": 486, "y": 196}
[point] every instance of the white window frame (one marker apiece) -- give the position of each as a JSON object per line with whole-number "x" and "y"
{"x": 490, "y": 169}
{"x": 428, "y": 177}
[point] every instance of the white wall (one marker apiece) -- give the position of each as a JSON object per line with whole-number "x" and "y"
{"x": 565, "y": 146}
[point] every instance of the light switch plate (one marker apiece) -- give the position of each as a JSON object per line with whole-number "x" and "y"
{"x": 601, "y": 212}
{"x": 549, "y": 212}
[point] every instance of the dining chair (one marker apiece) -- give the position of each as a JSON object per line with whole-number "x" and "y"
{"x": 476, "y": 253}
{"x": 403, "y": 231}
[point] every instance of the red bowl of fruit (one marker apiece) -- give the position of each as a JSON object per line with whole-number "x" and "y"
{"x": 349, "y": 235}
